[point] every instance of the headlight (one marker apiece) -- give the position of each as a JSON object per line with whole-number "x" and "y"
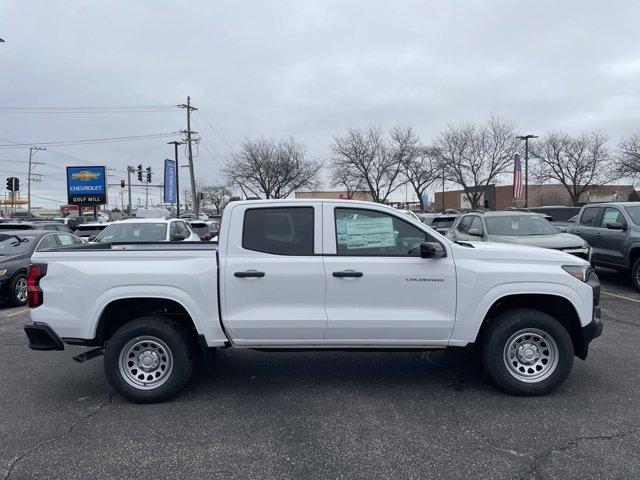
{"x": 582, "y": 272}
{"x": 2, "y": 272}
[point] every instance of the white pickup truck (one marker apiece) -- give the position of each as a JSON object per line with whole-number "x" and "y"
{"x": 313, "y": 274}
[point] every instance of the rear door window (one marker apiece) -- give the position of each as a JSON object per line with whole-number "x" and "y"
{"x": 590, "y": 216}
{"x": 280, "y": 231}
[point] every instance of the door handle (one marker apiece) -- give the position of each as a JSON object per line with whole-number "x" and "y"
{"x": 598, "y": 234}
{"x": 249, "y": 274}
{"x": 347, "y": 274}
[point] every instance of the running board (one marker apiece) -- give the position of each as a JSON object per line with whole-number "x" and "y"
{"x": 88, "y": 355}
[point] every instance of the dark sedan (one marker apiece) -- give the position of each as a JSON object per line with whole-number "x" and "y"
{"x": 45, "y": 225}
{"x": 16, "y": 248}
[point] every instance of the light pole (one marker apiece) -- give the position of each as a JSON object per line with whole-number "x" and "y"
{"x": 526, "y": 166}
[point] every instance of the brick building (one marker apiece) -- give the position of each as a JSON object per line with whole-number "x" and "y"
{"x": 331, "y": 195}
{"x": 501, "y": 196}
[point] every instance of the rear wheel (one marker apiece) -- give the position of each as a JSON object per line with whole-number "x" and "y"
{"x": 635, "y": 274}
{"x": 19, "y": 290}
{"x": 149, "y": 359}
{"x": 527, "y": 352}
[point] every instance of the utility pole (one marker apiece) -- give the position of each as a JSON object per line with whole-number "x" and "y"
{"x": 443, "y": 173}
{"x": 129, "y": 170}
{"x": 31, "y": 165}
{"x": 526, "y": 166}
{"x": 175, "y": 144}
{"x": 188, "y": 132}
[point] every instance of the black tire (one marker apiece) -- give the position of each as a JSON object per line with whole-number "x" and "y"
{"x": 178, "y": 361}
{"x": 548, "y": 339}
{"x": 635, "y": 274}
{"x": 17, "y": 279}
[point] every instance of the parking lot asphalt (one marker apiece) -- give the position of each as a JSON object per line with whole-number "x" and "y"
{"x": 327, "y": 415}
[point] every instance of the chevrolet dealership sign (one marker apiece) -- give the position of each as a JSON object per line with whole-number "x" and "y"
{"x": 86, "y": 185}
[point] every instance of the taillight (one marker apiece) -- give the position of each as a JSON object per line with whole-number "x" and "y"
{"x": 34, "y": 293}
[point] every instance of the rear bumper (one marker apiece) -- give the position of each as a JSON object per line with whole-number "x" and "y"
{"x": 42, "y": 337}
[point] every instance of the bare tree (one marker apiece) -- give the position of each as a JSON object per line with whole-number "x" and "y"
{"x": 346, "y": 177}
{"x": 366, "y": 155}
{"x": 579, "y": 163}
{"x": 420, "y": 163}
{"x": 628, "y": 157}
{"x": 217, "y": 195}
{"x": 474, "y": 156}
{"x": 271, "y": 168}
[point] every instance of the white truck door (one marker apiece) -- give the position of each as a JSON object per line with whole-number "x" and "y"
{"x": 379, "y": 289}
{"x": 274, "y": 279}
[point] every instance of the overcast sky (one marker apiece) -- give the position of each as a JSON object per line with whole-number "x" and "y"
{"x": 304, "y": 68}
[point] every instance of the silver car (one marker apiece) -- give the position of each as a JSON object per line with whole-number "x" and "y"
{"x": 520, "y": 228}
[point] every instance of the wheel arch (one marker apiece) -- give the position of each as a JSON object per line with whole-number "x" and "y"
{"x": 556, "y": 306}
{"x": 121, "y": 311}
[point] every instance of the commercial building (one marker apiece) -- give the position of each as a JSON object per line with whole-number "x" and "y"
{"x": 333, "y": 195}
{"x": 499, "y": 197}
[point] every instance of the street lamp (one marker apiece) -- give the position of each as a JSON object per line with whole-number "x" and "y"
{"x": 526, "y": 166}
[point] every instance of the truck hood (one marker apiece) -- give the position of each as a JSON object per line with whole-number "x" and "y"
{"x": 501, "y": 252}
{"x": 558, "y": 240}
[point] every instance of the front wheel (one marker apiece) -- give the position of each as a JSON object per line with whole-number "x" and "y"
{"x": 527, "y": 352}
{"x": 635, "y": 274}
{"x": 149, "y": 359}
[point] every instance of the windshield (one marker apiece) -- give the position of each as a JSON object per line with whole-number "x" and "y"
{"x": 519, "y": 225}
{"x": 15, "y": 244}
{"x": 634, "y": 213}
{"x": 133, "y": 232}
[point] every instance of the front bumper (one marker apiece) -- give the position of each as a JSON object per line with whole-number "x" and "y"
{"x": 593, "y": 329}
{"x": 42, "y": 337}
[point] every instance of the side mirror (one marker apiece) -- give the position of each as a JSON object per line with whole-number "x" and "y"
{"x": 432, "y": 250}
{"x": 474, "y": 232}
{"x": 177, "y": 237}
{"x": 616, "y": 226}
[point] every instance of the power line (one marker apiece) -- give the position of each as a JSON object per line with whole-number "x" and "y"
{"x": 91, "y": 141}
{"x": 215, "y": 130}
{"x": 90, "y": 109}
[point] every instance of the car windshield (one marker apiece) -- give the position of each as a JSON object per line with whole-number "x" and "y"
{"x": 133, "y": 232}
{"x": 634, "y": 213}
{"x": 519, "y": 225}
{"x": 15, "y": 244}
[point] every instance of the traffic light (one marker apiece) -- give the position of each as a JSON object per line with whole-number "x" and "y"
{"x": 148, "y": 174}
{"x": 13, "y": 184}
{"x": 140, "y": 173}
{"x": 122, "y": 184}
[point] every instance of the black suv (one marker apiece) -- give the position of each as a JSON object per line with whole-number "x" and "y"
{"x": 613, "y": 231}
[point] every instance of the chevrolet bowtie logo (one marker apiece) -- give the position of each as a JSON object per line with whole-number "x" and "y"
{"x": 85, "y": 175}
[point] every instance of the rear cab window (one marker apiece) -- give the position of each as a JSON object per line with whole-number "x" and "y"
{"x": 279, "y": 230}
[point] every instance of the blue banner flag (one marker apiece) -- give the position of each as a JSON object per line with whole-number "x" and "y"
{"x": 170, "y": 181}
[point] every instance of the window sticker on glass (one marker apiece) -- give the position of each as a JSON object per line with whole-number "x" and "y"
{"x": 365, "y": 232}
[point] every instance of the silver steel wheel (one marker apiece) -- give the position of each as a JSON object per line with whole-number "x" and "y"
{"x": 21, "y": 290}
{"x": 531, "y": 355}
{"x": 145, "y": 362}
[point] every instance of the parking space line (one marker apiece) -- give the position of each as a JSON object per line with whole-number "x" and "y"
{"x": 621, "y": 296}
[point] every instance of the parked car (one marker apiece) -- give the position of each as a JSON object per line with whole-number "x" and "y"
{"x": 89, "y": 230}
{"x": 26, "y": 216}
{"x": 16, "y": 248}
{"x": 613, "y": 231}
{"x": 516, "y": 227}
{"x": 202, "y": 229}
{"x": 35, "y": 225}
{"x": 440, "y": 222}
{"x": 410, "y": 214}
{"x": 135, "y": 230}
{"x": 152, "y": 212}
{"x": 560, "y": 216}
{"x": 309, "y": 274}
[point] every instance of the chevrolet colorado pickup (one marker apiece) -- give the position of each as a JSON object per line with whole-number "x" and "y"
{"x": 313, "y": 274}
